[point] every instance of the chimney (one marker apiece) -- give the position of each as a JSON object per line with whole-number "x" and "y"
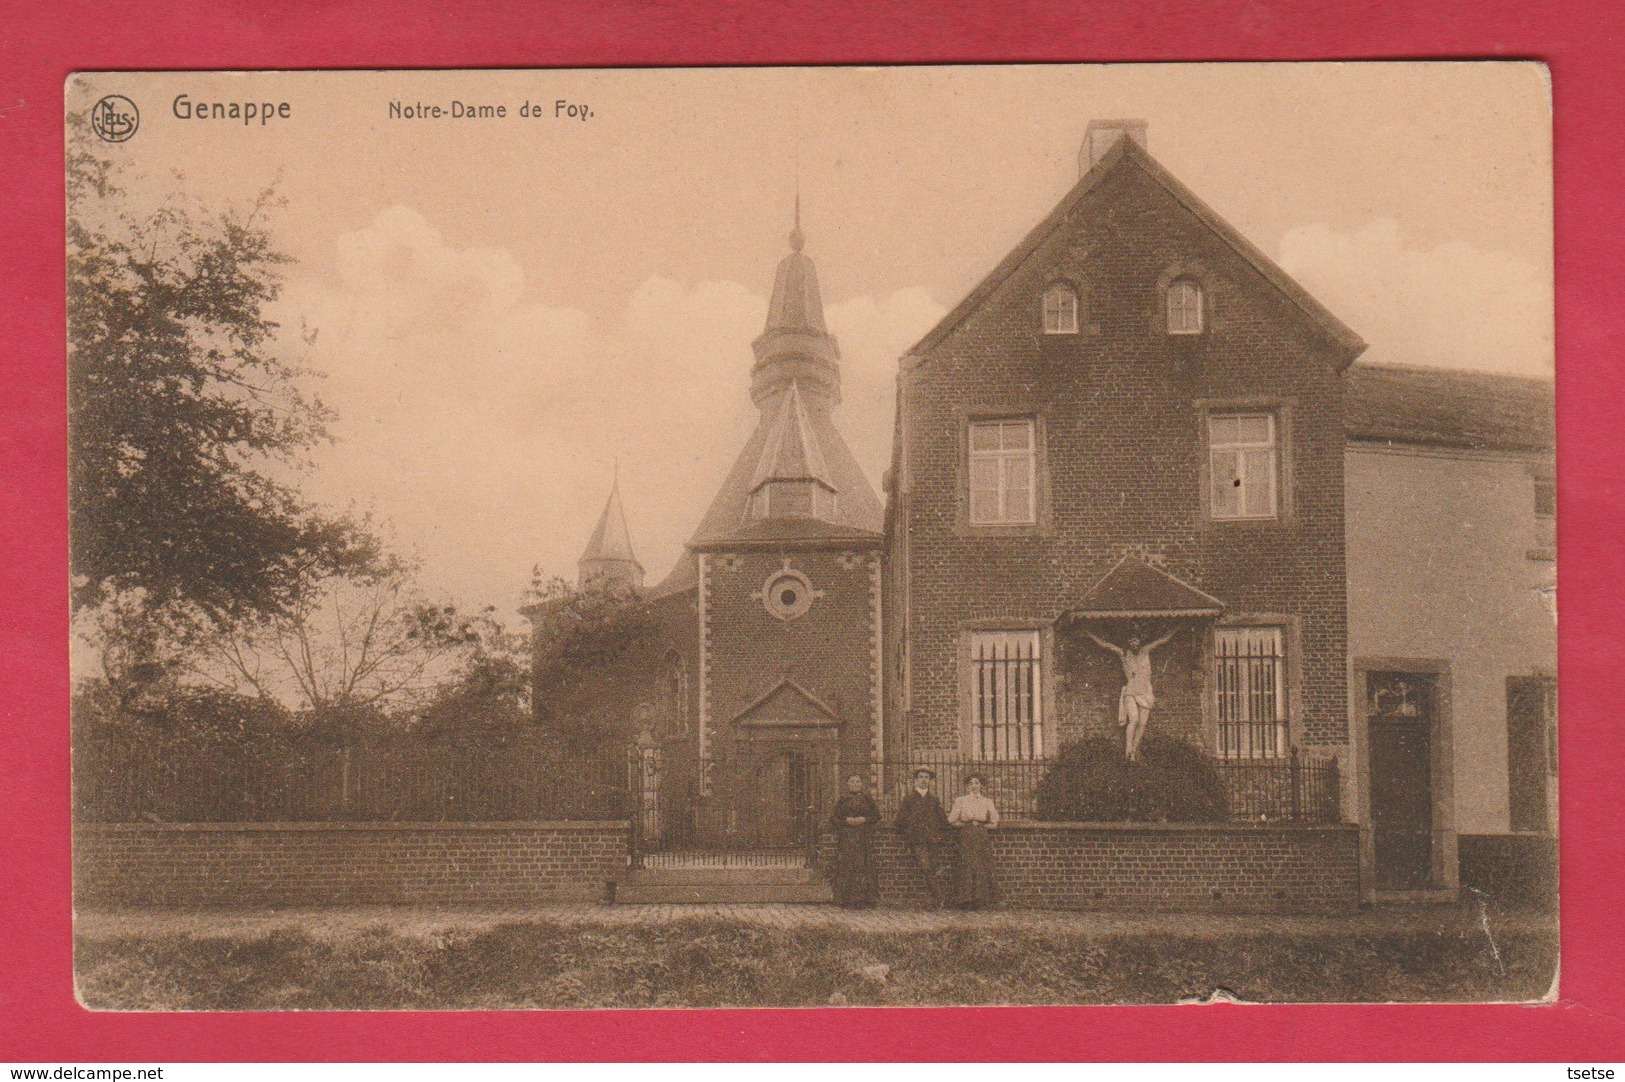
{"x": 1101, "y": 135}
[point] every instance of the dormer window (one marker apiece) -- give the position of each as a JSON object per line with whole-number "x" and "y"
{"x": 1060, "y": 310}
{"x": 793, "y": 499}
{"x": 1184, "y": 307}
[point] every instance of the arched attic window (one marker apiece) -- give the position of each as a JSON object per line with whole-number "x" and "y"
{"x": 1060, "y": 309}
{"x": 1184, "y": 301}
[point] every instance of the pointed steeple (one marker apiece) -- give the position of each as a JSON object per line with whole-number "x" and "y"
{"x": 796, "y": 346}
{"x": 609, "y": 553}
{"x": 795, "y": 479}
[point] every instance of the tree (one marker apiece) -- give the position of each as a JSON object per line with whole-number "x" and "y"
{"x": 488, "y": 701}
{"x": 181, "y": 403}
{"x": 592, "y": 663}
{"x": 351, "y": 653}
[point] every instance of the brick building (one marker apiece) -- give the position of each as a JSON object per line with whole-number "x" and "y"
{"x": 768, "y": 662}
{"x": 1132, "y": 427}
{"x": 1136, "y": 468}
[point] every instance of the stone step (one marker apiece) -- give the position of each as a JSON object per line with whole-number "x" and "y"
{"x": 634, "y": 893}
{"x": 769, "y": 876}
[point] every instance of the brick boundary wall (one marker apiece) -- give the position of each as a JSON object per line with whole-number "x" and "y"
{"x": 1512, "y": 869}
{"x": 250, "y": 865}
{"x": 1197, "y": 867}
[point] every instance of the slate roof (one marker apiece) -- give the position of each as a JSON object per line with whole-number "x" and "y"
{"x": 857, "y": 507}
{"x": 796, "y": 528}
{"x": 1135, "y": 588}
{"x": 684, "y": 576}
{"x": 1441, "y": 407}
{"x": 611, "y": 541}
{"x": 797, "y": 304}
{"x": 792, "y": 451}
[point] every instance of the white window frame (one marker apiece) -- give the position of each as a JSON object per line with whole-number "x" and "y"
{"x": 1183, "y": 307}
{"x": 1242, "y": 688}
{"x": 1008, "y": 463}
{"x": 1006, "y": 690}
{"x": 1060, "y": 314}
{"x": 1257, "y": 462}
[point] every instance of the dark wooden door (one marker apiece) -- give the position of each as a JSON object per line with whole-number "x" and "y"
{"x": 1402, "y": 801}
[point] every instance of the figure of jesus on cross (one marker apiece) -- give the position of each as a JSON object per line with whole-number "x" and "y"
{"x": 1136, "y": 700}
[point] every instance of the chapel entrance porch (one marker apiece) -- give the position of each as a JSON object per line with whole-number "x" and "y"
{"x": 759, "y": 807}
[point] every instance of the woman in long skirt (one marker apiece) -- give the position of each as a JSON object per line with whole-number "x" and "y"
{"x": 972, "y": 817}
{"x": 852, "y": 873}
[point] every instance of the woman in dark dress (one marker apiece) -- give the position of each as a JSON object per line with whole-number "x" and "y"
{"x": 852, "y": 872}
{"x": 972, "y": 817}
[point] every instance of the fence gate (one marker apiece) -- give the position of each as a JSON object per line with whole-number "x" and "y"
{"x": 756, "y": 807}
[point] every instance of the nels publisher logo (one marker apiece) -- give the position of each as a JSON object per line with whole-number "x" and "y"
{"x": 115, "y": 118}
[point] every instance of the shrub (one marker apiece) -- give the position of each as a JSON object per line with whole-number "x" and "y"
{"x": 1091, "y": 782}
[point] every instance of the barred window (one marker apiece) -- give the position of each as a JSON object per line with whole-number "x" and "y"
{"x": 1250, "y": 676}
{"x": 1002, "y": 472}
{"x": 1184, "y": 307}
{"x": 1242, "y": 465}
{"x": 1060, "y": 310}
{"x": 1006, "y": 691}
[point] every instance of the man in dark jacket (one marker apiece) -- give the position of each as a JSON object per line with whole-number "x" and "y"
{"x": 924, "y": 827}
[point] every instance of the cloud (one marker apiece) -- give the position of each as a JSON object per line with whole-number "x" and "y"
{"x": 1454, "y": 305}
{"x": 873, "y": 333}
{"x": 484, "y": 423}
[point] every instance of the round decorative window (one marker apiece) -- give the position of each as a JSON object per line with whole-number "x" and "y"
{"x": 788, "y": 594}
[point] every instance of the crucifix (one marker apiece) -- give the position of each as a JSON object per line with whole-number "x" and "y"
{"x": 1135, "y": 701}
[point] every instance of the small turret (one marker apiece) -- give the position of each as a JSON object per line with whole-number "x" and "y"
{"x": 609, "y": 557}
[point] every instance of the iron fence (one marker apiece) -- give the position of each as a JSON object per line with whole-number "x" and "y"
{"x": 1295, "y": 788}
{"x": 1012, "y": 784}
{"x": 124, "y": 781}
{"x": 677, "y": 803}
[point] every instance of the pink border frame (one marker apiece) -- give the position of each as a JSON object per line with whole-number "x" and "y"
{"x": 40, "y": 43}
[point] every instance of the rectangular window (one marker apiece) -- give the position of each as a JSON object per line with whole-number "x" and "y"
{"x": 1002, "y": 473}
{"x": 1006, "y": 692}
{"x": 1242, "y": 465}
{"x": 1250, "y": 675}
{"x": 1545, "y": 519}
{"x": 1545, "y": 497}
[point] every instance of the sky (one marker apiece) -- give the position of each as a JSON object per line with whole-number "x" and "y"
{"x": 509, "y": 312}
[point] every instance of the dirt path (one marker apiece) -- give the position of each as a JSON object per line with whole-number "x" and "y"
{"x": 415, "y": 921}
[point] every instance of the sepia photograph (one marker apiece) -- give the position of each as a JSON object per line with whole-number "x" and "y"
{"x": 812, "y": 537}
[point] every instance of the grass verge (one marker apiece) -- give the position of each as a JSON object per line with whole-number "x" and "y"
{"x": 709, "y": 962}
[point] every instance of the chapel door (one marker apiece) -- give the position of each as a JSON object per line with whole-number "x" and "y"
{"x": 780, "y": 789}
{"x": 1400, "y": 720}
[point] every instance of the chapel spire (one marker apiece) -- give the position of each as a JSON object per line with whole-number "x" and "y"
{"x": 796, "y": 478}
{"x": 796, "y": 346}
{"x": 609, "y": 555}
